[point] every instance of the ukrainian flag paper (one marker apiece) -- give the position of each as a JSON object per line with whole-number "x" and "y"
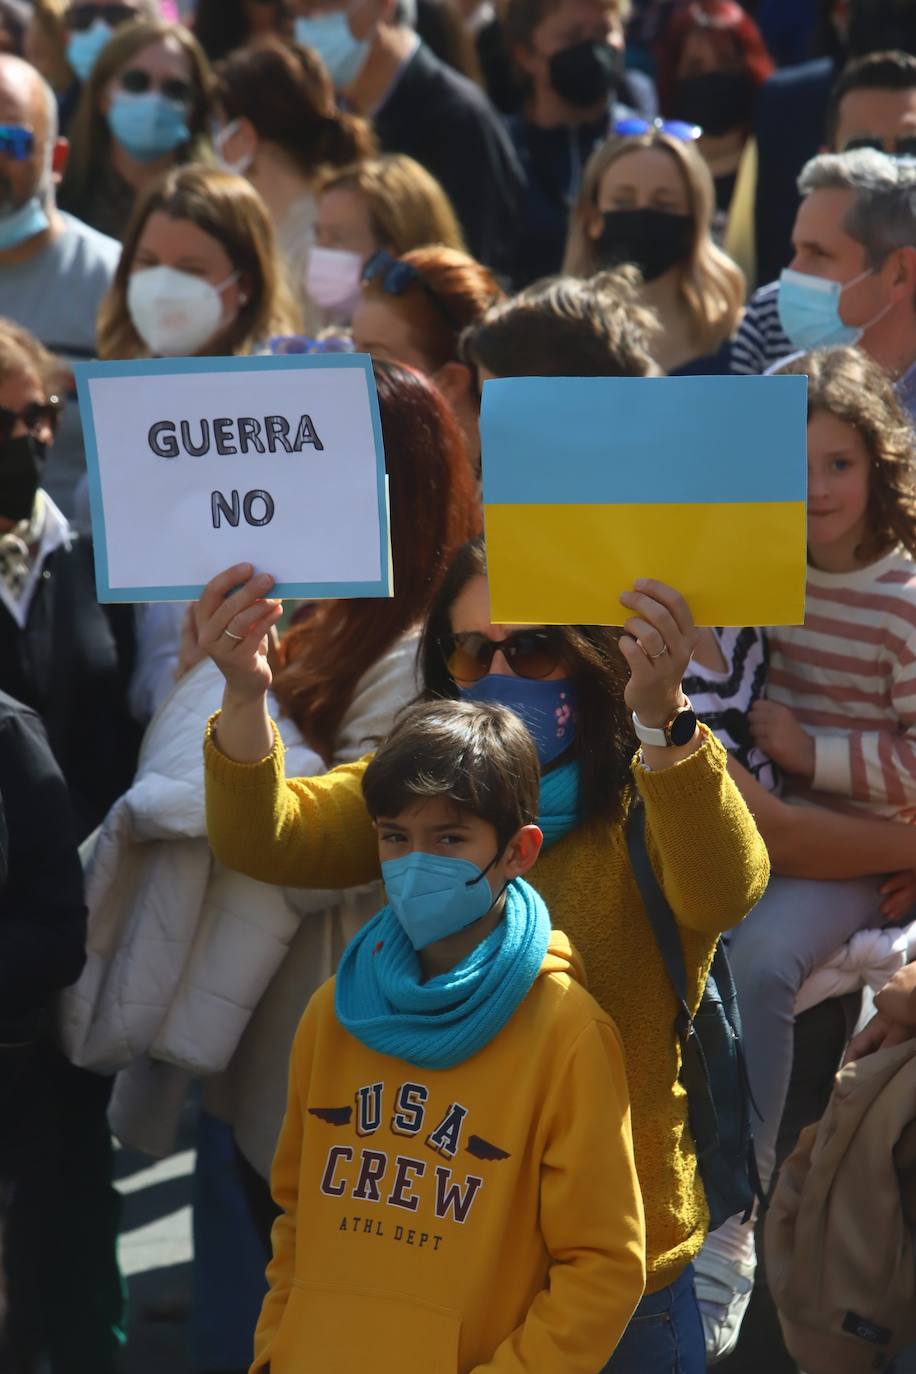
{"x": 592, "y": 482}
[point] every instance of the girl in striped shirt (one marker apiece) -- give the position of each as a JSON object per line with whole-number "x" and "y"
{"x": 839, "y": 721}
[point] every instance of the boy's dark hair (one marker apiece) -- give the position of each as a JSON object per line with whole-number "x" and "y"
{"x": 523, "y": 16}
{"x": 478, "y": 756}
{"x": 567, "y": 327}
{"x": 879, "y": 71}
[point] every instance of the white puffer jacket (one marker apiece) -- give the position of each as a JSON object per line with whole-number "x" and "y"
{"x": 181, "y": 950}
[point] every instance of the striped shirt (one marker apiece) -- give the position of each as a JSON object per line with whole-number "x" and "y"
{"x": 722, "y": 700}
{"x": 760, "y": 341}
{"x": 849, "y": 675}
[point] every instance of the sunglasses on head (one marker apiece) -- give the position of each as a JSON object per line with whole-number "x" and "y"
{"x": 529, "y": 653}
{"x": 634, "y": 127}
{"x": 36, "y": 416}
{"x": 137, "y": 82}
{"x": 79, "y": 20}
{"x": 16, "y": 142}
{"x": 905, "y": 146}
{"x": 396, "y": 277}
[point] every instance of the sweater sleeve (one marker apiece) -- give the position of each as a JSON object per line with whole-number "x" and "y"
{"x": 706, "y": 850}
{"x": 284, "y": 1185}
{"x": 294, "y": 832}
{"x": 591, "y": 1220}
{"x": 875, "y": 766}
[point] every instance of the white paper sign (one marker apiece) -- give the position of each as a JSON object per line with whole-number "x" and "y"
{"x": 199, "y": 463}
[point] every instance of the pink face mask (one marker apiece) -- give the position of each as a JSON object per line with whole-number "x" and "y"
{"x": 332, "y": 279}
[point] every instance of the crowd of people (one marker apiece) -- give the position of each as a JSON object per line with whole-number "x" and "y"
{"x": 389, "y": 931}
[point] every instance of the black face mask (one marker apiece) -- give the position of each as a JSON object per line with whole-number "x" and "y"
{"x": 21, "y": 464}
{"x": 717, "y": 101}
{"x": 586, "y": 73}
{"x": 652, "y": 239}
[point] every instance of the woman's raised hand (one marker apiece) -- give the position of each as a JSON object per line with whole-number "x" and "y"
{"x": 233, "y": 626}
{"x": 657, "y": 642}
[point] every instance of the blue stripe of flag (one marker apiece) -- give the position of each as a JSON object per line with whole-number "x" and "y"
{"x": 629, "y": 440}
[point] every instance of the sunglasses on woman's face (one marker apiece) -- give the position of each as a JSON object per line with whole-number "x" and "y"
{"x": 905, "y": 146}
{"x": 529, "y": 653}
{"x": 137, "y": 82}
{"x": 37, "y": 416}
{"x": 396, "y": 277}
{"x": 635, "y": 127}
{"x": 83, "y": 18}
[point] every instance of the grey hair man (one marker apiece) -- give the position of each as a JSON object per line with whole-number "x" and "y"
{"x": 852, "y": 278}
{"x": 54, "y": 269}
{"x": 424, "y": 108}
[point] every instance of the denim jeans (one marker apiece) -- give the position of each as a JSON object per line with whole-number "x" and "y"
{"x": 665, "y": 1334}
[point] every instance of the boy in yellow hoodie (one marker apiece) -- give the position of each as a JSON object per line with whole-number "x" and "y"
{"x": 455, "y": 1169}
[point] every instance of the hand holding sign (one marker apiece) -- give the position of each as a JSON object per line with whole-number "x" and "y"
{"x": 657, "y": 643}
{"x": 233, "y": 622}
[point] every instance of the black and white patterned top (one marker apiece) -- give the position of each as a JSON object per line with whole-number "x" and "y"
{"x": 722, "y": 700}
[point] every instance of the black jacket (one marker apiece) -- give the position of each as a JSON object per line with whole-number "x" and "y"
{"x": 71, "y": 664}
{"x": 42, "y": 914}
{"x": 446, "y": 122}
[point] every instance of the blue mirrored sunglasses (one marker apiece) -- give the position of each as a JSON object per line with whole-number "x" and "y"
{"x": 16, "y": 142}
{"x": 282, "y": 344}
{"x": 395, "y": 277}
{"x": 674, "y": 128}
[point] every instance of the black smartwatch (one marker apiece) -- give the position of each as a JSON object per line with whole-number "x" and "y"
{"x": 679, "y": 730}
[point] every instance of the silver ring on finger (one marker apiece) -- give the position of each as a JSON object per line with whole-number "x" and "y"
{"x": 230, "y": 635}
{"x": 661, "y": 653}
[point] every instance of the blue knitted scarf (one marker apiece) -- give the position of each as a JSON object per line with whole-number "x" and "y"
{"x": 380, "y": 997}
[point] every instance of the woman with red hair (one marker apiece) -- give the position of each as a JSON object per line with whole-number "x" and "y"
{"x": 710, "y": 63}
{"x": 414, "y": 309}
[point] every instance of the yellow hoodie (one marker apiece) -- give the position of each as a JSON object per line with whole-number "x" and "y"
{"x": 483, "y": 1218}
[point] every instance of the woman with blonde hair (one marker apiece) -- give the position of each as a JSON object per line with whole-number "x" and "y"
{"x": 232, "y": 300}
{"x": 389, "y": 203}
{"x": 647, "y": 198}
{"x": 144, "y": 109}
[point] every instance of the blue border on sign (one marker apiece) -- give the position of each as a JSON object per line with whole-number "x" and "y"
{"x": 166, "y": 367}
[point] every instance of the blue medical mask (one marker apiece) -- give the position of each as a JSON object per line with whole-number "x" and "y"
{"x": 547, "y": 708}
{"x": 83, "y": 48}
{"x": 434, "y": 896}
{"x": 330, "y": 37}
{"x": 23, "y": 224}
{"x": 147, "y": 126}
{"x": 809, "y": 310}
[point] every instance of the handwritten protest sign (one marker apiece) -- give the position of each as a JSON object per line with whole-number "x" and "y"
{"x": 592, "y": 482}
{"x": 198, "y": 463}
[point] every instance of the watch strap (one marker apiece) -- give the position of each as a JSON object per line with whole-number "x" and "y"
{"x": 659, "y": 737}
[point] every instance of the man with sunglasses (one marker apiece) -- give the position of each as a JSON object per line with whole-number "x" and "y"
{"x": 570, "y": 56}
{"x": 54, "y": 269}
{"x": 421, "y": 107}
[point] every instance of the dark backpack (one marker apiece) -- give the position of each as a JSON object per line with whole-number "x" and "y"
{"x": 713, "y": 1071}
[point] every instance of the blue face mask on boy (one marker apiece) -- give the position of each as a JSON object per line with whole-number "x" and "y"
{"x": 147, "y": 126}
{"x": 546, "y": 706}
{"x": 434, "y": 896}
{"x": 329, "y": 36}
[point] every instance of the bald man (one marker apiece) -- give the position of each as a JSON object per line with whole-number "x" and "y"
{"x": 54, "y": 269}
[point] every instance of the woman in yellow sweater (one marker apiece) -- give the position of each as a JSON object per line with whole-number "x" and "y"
{"x": 575, "y": 687}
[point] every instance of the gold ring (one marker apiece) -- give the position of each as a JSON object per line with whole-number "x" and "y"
{"x": 661, "y": 653}
{"x": 238, "y": 638}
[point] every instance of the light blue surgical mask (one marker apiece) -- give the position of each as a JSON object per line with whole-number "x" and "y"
{"x": 809, "y": 310}
{"x": 83, "y": 48}
{"x": 329, "y": 36}
{"x": 547, "y": 707}
{"x": 434, "y": 896}
{"x": 23, "y": 224}
{"x": 148, "y": 126}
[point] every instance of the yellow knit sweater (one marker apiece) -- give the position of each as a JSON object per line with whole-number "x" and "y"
{"x": 709, "y": 859}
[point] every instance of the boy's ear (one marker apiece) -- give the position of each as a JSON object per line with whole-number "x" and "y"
{"x": 522, "y": 850}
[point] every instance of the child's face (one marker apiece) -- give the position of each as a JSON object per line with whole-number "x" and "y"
{"x": 838, "y": 468}
{"x": 439, "y": 827}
